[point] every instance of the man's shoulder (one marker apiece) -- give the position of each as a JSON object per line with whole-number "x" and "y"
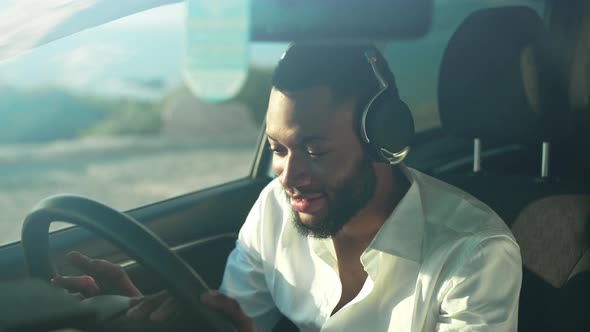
{"x": 452, "y": 210}
{"x": 459, "y": 227}
{"x": 267, "y": 216}
{"x": 274, "y": 186}
{"x": 272, "y": 195}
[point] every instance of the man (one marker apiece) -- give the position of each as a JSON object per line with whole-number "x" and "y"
{"x": 341, "y": 241}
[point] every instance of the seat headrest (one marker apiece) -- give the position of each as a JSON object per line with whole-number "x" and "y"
{"x": 498, "y": 80}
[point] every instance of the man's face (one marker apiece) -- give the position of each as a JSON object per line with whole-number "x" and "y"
{"x": 318, "y": 159}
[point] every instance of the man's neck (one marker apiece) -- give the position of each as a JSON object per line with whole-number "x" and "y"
{"x": 360, "y": 231}
{"x": 356, "y": 236}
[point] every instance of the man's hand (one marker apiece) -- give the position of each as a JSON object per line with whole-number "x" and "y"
{"x": 230, "y": 308}
{"x": 162, "y": 306}
{"x": 102, "y": 277}
{"x": 157, "y": 307}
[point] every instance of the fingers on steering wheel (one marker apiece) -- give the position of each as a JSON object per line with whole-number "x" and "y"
{"x": 147, "y": 306}
{"x": 112, "y": 277}
{"x": 106, "y": 269}
{"x": 230, "y": 308}
{"x": 79, "y": 296}
{"x": 84, "y": 285}
{"x": 95, "y": 267}
{"x": 78, "y": 260}
{"x": 133, "y": 301}
{"x": 166, "y": 310}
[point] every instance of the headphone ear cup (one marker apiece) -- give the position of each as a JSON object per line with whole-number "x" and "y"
{"x": 389, "y": 124}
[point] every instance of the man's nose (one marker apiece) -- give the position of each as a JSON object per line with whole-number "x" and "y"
{"x": 295, "y": 173}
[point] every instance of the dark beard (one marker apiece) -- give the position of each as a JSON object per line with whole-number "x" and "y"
{"x": 349, "y": 198}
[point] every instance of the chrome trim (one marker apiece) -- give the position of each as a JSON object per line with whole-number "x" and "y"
{"x": 364, "y": 134}
{"x": 372, "y": 60}
{"x": 476, "y": 155}
{"x": 255, "y": 170}
{"x": 464, "y": 161}
{"x": 395, "y": 158}
{"x": 188, "y": 245}
{"x": 545, "y": 160}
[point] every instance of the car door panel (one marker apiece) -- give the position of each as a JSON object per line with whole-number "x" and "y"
{"x": 201, "y": 227}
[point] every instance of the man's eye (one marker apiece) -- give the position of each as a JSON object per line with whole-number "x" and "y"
{"x": 316, "y": 154}
{"x": 277, "y": 151}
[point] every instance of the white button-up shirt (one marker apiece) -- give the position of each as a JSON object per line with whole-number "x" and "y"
{"x": 443, "y": 261}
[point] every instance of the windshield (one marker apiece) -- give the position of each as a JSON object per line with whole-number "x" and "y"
{"x": 105, "y": 112}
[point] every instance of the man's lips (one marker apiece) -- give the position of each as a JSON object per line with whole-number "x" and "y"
{"x": 308, "y": 204}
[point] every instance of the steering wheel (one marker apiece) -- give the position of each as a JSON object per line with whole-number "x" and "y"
{"x": 127, "y": 234}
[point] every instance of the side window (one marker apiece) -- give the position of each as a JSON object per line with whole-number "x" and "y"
{"x": 415, "y": 63}
{"x": 105, "y": 113}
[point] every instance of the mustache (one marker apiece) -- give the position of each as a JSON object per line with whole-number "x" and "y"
{"x": 302, "y": 192}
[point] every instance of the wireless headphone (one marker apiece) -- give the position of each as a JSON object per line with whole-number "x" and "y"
{"x": 386, "y": 124}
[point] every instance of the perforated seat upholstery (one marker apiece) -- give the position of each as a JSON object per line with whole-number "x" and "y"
{"x": 551, "y": 233}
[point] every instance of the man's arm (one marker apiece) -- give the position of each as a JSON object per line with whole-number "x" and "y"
{"x": 244, "y": 279}
{"x": 483, "y": 292}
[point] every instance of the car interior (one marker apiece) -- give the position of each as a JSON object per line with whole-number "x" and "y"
{"x": 521, "y": 107}
{"x": 512, "y": 91}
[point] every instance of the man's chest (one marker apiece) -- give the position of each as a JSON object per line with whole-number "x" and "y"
{"x": 352, "y": 278}
{"x": 381, "y": 296}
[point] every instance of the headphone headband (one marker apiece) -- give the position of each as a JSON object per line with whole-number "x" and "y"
{"x": 371, "y": 57}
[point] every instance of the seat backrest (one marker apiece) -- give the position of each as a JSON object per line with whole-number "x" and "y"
{"x": 497, "y": 79}
{"x": 498, "y": 83}
{"x": 552, "y": 235}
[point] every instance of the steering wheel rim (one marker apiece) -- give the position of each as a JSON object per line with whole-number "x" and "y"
{"x": 127, "y": 234}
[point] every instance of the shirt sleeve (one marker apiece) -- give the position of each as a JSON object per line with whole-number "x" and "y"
{"x": 483, "y": 292}
{"x": 244, "y": 279}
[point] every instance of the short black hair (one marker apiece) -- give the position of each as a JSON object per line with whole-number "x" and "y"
{"x": 341, "y": 67}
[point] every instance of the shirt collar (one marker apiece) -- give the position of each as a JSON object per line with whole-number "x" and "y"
{"x": 401, "y": 234}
